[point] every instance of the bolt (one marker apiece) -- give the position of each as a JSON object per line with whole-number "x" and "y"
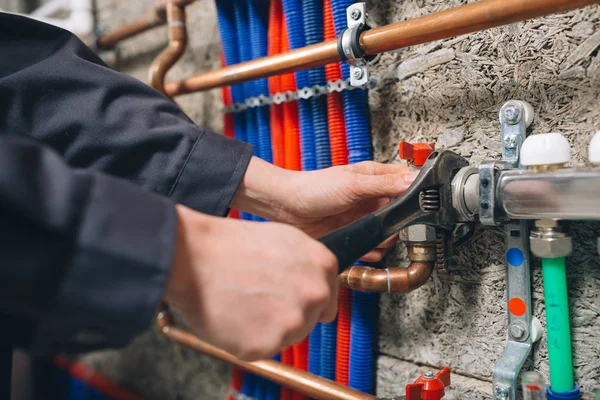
{"x": 511, "y": 114}
{"x": 517, "y": 331}
{"x": 501, "y": 392}
{"x": 510, "y": 142}
{"x": 355, "y": 14}
{"x": 428, "y": 375}
{"x": 357, "y": 72}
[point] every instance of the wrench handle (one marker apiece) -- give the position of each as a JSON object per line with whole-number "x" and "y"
{"x": 355, "y": 240}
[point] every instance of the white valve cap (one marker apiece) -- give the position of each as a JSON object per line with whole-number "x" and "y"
{"x": 595, "y": 148}
{"x": 537, "y": 329}
{"x": 545, "y": 149}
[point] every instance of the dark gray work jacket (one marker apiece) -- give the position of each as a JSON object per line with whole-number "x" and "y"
{"x": 91, "y": 164}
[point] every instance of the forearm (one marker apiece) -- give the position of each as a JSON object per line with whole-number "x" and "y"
{"x": 263, "y": 189}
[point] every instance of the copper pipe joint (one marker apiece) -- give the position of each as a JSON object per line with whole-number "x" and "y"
{"x": 285, "y": 375}
{"x": 158, "y": 18}
{"x": 473, "y": 17}
{"x": 175, "y": 49}
{"x": 422, "y": 258}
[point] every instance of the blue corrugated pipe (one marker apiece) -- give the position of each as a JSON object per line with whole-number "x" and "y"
{"x": 258, "y": 13}
{"x": 312, "y": 12}
{"x": 273, "y": 389}
{"x": 295, "y": 28}
{"x": 328, "y": 350}
{"x": 240, "y": 8}
{"x": 314, "y": 350}
{"x": 363, "y": 322}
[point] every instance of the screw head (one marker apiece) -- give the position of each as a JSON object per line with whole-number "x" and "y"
{"x": 428, "y": 375}
{"x": 511, "y": 114}
{"x": 501, "y": 392}
{"x": 510, "y": 142}
{"x": 355, "y": 14}
{"x": 357, "y": 72}
{"x": 517, "y": 331}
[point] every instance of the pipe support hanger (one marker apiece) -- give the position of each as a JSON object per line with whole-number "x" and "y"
{"x": 348, "y": 45}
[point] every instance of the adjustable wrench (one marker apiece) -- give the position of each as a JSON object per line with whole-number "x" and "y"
{"x": 427, "y": 201}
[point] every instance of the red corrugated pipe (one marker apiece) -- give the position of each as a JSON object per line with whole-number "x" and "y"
{"x": 290, "y": 115}
{"x": 276, "y": 111}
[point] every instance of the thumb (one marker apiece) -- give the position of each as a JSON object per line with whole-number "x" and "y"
{"x": 368, "y": 186}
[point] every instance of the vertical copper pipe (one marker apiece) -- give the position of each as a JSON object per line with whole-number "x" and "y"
{"x": 285, "y": 375}
{"x": 422, "y": 258}
{"x": 473, "y": 17}
{"x": 175, "y": 49}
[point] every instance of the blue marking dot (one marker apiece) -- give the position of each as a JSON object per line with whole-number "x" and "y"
{"x": 515, "y": 257}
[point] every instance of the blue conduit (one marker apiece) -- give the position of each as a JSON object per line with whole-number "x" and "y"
{"x": 312, "y": 13}
{"x": 292, "y": 10}
{"x": 314, "y": 350}
{"x": 242, "y": 25}
{"x": 273, "y": 389}
{"x": 328, "y": 350}
{"x": 363, "y": 322}
{"x": 258, "y": 13}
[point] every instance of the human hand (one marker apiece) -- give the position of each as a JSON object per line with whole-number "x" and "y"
{"x": 250, "y": 288}
{"x": 319, "y": 202}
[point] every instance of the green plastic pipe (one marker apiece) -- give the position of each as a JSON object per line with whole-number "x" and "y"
{"x": 558, "y": 328}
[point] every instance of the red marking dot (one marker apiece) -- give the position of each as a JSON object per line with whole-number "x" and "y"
{"x": 517, "y": 306}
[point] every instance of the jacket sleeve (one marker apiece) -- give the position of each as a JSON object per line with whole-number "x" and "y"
{"x": 57, "y": 91}
{"x": 84, "y": 256}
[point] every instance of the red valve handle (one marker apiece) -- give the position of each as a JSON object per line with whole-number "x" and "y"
{"x": 429, "y": 388}
{"x": 416, "y": 153}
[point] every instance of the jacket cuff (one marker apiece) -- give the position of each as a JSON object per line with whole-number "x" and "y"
{"x": 213, "y": 159}
{"x": 118, "y": 272}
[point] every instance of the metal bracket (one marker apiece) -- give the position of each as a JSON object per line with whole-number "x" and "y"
{"x": 515, "y": 117}
{"x": 356, "y": 17}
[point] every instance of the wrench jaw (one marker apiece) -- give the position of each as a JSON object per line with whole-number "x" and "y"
{"x": 428, "y": 200}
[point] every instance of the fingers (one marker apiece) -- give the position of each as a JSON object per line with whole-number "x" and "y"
{"x": 373, "y": 256}
{"x": 368, "y": 186}
{"x": 375, "y": 168}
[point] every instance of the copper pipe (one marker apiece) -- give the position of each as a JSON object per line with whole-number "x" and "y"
{"x": 158, "y": 18}
{"x": 110, "y": 39}
{"x": 175, "y": 49}
{"x": 484, "y": 14}
{"x": 395, "y": 279}
{"x": 297, "y": 380}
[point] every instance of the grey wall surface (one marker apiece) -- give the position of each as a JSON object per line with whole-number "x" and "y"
{"x": 449, "y": 91}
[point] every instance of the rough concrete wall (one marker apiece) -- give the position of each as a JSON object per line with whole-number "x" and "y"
{"x": 458, "y": 318}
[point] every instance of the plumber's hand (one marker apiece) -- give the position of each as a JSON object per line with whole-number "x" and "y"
{"x": 250, "y": 288}
{"x": 319, "y": 202}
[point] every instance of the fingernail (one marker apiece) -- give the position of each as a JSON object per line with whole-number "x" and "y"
{"x": 410, "y": 177}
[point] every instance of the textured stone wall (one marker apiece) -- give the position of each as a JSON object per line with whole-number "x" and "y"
{"x": 449, "y": 91}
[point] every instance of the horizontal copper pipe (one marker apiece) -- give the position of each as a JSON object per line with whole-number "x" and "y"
{"x": 484, "y": 14}
{"x": 157, "y": 18}
{"x": 285, "y": 375}
{"x": 422, "y": 258}
{"x": 175, "y": 49}
{"x": 304, "y": 58}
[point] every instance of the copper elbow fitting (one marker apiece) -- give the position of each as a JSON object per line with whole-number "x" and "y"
{"x": 422, "y": 258}
{"x": 175, "y": 49}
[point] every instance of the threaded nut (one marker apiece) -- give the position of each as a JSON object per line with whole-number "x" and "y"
{"x": 418, "y": 233}
{"x": 551, "y": 247}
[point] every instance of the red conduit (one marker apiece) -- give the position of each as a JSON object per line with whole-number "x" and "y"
{"x": 94, "y": 380}
{"x": 276, "y": 110}
{"x": 335, "y": 106}
{"x": 290, "y": 115}
{"x": 228, "y": 123}
{"x": 339, "y": 156}
{"x": 237, "y": 378}
{"x": 287, "y": 358}
{"x": 300, "y": 362}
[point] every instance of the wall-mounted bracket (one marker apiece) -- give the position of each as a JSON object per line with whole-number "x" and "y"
{"x": 515, "y": 117}
{"x": 349, "y": 45}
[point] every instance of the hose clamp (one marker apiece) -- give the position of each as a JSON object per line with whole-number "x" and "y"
{"x": 348, "y": 44}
